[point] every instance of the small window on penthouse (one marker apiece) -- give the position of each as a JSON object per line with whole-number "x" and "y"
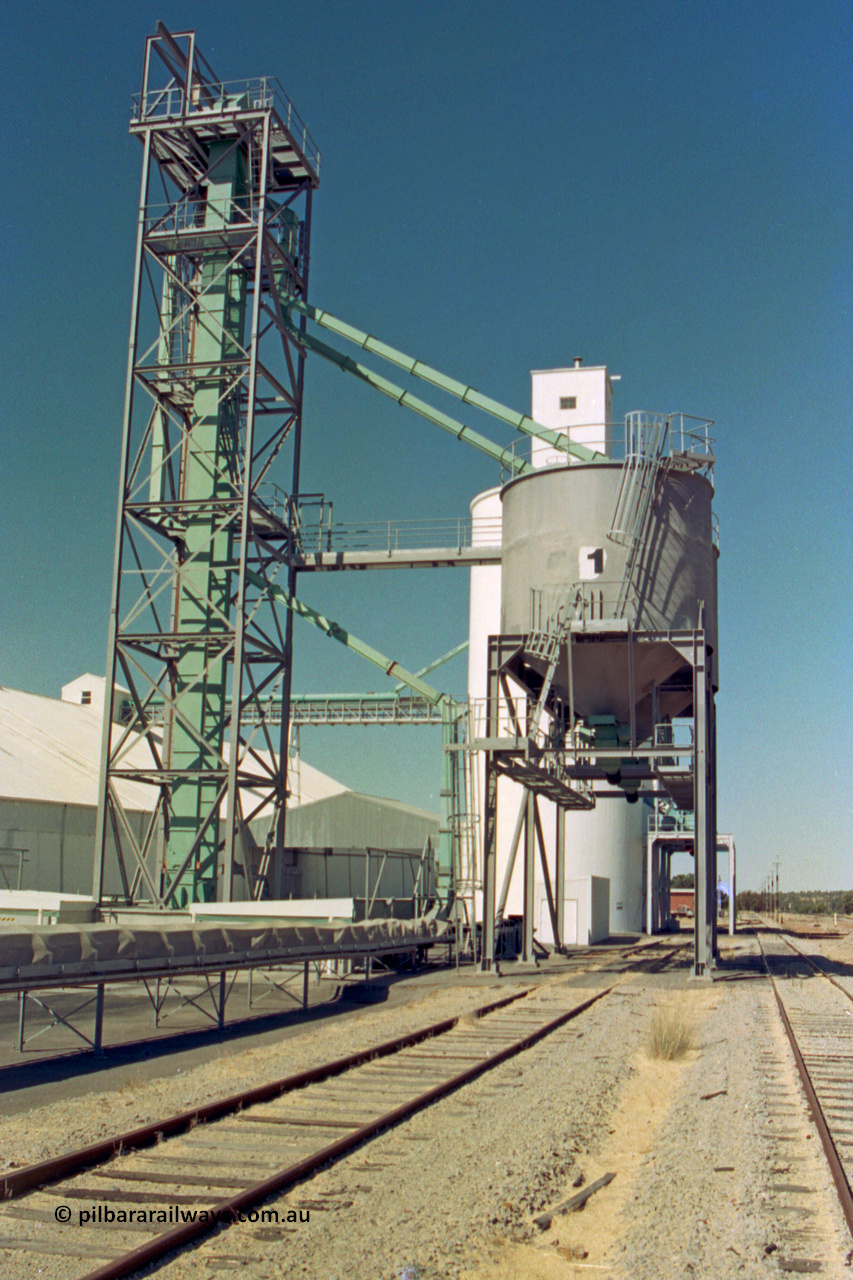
{"x": 568, "y": 402}
{"x": 86, "y": 697}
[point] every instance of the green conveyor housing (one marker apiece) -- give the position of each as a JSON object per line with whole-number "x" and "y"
{"x": 418, "y": 369}
{"x": 201, "y": 605}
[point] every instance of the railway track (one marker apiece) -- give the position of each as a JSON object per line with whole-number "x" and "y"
{"x": 820, "y": 1032}
{"x": 134, "y": 1032}
{"x": 112, "y": 1208}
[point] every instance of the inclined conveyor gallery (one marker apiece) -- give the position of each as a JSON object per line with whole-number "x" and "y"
{"x": 52, "y": 958}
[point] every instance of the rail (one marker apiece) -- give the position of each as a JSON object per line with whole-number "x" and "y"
{"x": 674, "y": 822}
{"x": 233, "y": 213}
{"x": 554, "y": 606}
{"x": 277, "y": 1132}
{"x": 286, "y": 1131}
{"x": 19, "y": 1183}
{"x": 811, "y": 1066}
{"x": 514, "y": 725}
{"x": 512, "y": 721}
{"x": 353, "y": 709}
{"x": 310, "y": 517}
{"x": 675, "y": 747}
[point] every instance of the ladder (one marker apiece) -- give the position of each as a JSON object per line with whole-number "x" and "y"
{"x": 546, "y": 646}
{"x": 646, "y": 438}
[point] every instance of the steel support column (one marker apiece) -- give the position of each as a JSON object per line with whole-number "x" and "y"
{"x": 287, "y": 681}
{"x": 711, "y": 815}
{"x": 529, "y": 880}
{"x": 560, "y": 878}
{"x": 490, "y": 816}
{"x": 665, "y": 887}
{"x": 732, "y": 884}
{"x": 98, "y": 1035}
{"x": 704, "y": 789}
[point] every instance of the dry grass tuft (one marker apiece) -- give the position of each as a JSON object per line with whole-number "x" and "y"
{"x": 133, "y": 1081}
{"x": 671, "y": 1034}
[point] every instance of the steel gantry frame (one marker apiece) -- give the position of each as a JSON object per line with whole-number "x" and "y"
{"x": 213, "y": 412}
{"x": 670, "y": 833}
{"x": 567, "y": 766}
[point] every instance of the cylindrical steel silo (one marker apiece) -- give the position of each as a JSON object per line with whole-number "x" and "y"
{"x": 557, "y": 549}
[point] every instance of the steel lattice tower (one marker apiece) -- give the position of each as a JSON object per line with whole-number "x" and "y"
{"x": 211, "y": 444}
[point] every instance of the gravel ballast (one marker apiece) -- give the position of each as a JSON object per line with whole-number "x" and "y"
{"x": 718, "y": 1169}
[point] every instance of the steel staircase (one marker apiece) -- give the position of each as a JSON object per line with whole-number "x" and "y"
{"x": 646, "y": 462}
{"x": 546, "y": 646}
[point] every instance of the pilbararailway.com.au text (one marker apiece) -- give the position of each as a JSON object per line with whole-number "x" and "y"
{"x": 174, "y": 1215}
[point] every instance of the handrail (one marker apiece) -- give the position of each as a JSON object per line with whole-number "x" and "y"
{"x": 690, "y": 445}
{"x": 396, "y": 535}
{"x": 258, "y": 93}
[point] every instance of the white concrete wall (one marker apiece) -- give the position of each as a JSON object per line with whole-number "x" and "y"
{"x": 609, "y": 841}
{"x": 586, "y": 912}
{"x": 485, "y": 620}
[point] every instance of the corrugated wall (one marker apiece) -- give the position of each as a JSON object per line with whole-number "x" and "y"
{"x": 355, "y": 821}
{"x": 59, "y": 840}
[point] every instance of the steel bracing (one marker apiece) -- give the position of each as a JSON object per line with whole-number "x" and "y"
{"x": 213, "y": 415}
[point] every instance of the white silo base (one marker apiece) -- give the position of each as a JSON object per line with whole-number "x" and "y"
{"x": 609, "y": 841}
{"x": 586, "y": 912}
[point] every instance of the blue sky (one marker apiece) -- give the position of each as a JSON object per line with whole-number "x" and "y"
{"x": 665, "y": 189}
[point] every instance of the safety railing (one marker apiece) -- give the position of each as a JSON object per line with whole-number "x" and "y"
{"x": 514, "y": 726}
{"x": 343, "y": 709}
{"x": 556, "y": 605}
{"x": 263, "y": 93}
{"x": 671, "y": 822}
{"x": 398, "y": 535}
{"x": 676, "y": 743}
{"x": 691, "y": 442}
{"x": 230, "y": 213}
{"x": 690, "y": 445}
{"x": 314, "y": 529}
{"x": 528, "y": 451}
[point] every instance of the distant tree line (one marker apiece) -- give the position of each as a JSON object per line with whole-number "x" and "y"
{"x": 802, "y": 902}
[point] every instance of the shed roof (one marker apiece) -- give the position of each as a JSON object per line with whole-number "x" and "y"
{"x": 50, "y": 750}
